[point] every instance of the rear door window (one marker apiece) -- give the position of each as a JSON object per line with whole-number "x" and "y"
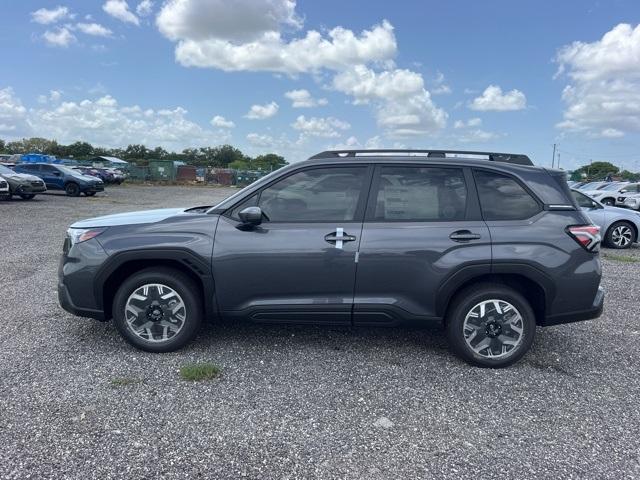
{"x": 419, "y": 194}
{"x": 503, "y": 198}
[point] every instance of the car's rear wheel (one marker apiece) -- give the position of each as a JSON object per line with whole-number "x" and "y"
{"x": 27, "y": 196}
{"x": 72, "y": 189}
{"x": 620, "y": 235}
{"x": 158, "y": 309}
{"x": 490, "y": 325}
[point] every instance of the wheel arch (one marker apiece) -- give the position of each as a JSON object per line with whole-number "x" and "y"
{"x": 526, "y": 280}
{"x": 125, "y": 264}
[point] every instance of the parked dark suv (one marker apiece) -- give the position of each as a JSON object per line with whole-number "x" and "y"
{"x": 486, "y": 243}
{"x": 60, "y": 177}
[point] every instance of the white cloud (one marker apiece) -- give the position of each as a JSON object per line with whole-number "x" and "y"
{"x": 61, "y": 37}
{"x": 403, "y": 106}
{"x": 603, "y": 96}
{"x": 46, "y": 17}
{"x": 94, "y": 29}
{"x": 472, "y": 122}
{"x": 120, "y": 9}
{"x": 440, "y": 87}
{"x": 104, "y": 122}
{"x": 247, "y": 35}
{"x": 352, "y": 143}
{"x": 54, "y": 96}
{"x": 320, "y": 127}
{"x": 221, "y": 122}
{"x": 494, "y": 99}
{"x": 261, "y": 112}
{"x": 144, "y": 8}
{"x": 258, "y": 140}
{"x": 304, "y": 99}
{"x": 477, "y": 136}
{"x": 12, "y": 113}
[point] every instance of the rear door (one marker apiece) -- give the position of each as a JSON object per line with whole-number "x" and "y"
{"x": 299, "y": 264}
{"x": 422, "y": 228}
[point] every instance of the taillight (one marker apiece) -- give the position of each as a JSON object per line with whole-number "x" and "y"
{"x": 586, "y": 235}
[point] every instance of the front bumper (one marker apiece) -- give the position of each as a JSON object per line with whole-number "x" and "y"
{"x": 76, "y": 279}
{"x": 593, "y": 312}
{"x": 29, "y": 189}
{"x": 96, "y": 187}
{"x": 67, "y": 303}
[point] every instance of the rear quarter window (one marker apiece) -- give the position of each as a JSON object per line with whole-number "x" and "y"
{"x": 503, "y": 198}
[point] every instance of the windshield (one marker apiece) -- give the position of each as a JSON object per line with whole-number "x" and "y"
{"x": 591, "y": 186}
{"x": 6, "y": 170}
{"x": 614, "y": 186}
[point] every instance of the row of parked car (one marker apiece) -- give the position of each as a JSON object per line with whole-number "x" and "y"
{"x": 26, "y": 180}
{"x": 614, "y": 207}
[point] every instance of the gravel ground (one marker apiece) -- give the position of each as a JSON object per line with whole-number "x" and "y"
{"x": 298, "y": 402}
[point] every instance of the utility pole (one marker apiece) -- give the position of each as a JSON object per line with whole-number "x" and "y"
{"x": 558, "y": 160}
{"x": 553, "y": 157}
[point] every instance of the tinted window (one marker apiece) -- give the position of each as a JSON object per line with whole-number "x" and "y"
{"x": 314, "y": 195}
{"x": 582, "y": 200}
{"x": 420, "y": 194}
{"x": 502, "y": 198}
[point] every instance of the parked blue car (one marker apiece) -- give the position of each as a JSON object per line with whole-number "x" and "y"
{"x": 60, "y": 177}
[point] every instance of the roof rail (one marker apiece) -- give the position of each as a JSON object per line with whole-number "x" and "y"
{"x": 516, "y": 158}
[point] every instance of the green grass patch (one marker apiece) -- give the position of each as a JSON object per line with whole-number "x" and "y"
{"x": 195, "y": 372}
{"x": 621, "y": 258}
{"x": 123, "y": 382}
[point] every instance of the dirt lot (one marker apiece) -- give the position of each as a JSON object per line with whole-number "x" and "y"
{"x": 298, "y": 402}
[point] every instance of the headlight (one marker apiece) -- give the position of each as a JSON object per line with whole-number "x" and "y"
{"x": 79, "y": 235}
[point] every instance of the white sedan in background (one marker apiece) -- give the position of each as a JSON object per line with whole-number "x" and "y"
{"x": 619, "y": 227}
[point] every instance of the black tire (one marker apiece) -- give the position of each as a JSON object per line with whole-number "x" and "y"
{"x": 89, "y": 194}
{"x": 608, "y": 201}
{"x": 29, "y": 196}
{"x": 184, "y": 286}
{"x": 463, "y": 305}
{"x": 620, "y": 235}
{"x": 72, "y": 189}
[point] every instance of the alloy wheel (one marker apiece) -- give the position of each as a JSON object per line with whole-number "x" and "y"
{"x": 493, "y": 329}
{"x": 621, "y": 236}
{"x": 155, "y": 312}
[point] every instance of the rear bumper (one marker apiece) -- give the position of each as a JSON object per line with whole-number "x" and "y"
{"x": 594, "y": 312}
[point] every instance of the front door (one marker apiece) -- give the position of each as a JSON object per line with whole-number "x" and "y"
{"x": 51, "y": 176}
{"x": 421, "y": 228}
{"x": 299, "y": 264}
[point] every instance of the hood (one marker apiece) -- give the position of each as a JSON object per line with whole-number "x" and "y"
{"x": 87, "y": 178}
{"x": 22, "y": 176}
{"x": 130, "y": 218}
{"x": 620, "y": 211}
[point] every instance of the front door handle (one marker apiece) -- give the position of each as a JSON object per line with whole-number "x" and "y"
{"x": 464, "y": 236}
{"x": 339, "y": 237}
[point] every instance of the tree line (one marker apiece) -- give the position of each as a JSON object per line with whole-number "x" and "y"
{"x": 602, "y": 170}
{"x": 225, "y": 156}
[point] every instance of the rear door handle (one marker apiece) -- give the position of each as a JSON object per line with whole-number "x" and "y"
{"x": 464, "y": 236}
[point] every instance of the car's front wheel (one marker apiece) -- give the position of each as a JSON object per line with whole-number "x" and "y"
{"x": 89, "y": 194}
{"x": 27, "y": 196}
{"x": 620, "y": 235}
{"x": 72, "y": 189}
{"x": 158, "y": 309}
{"x": 609, "y": 201}
{"x": 490, "y": 325}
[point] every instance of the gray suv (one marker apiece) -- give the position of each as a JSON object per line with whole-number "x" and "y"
{"x": 486, "y": 244}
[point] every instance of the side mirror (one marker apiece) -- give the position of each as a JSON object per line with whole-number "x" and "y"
{"x": 251, "y": 216}
{"x": 623, "y": 190}
{"x": 56, "y": 173}
{"x": 595, "y": 205}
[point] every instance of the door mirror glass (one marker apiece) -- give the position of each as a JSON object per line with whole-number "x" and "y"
{"x": 251, "y": 216}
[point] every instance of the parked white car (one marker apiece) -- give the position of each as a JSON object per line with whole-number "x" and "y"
{"x": 629, "y": 200}
{"x": 619, "y": 227}
{"x": 607, "y": 194}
